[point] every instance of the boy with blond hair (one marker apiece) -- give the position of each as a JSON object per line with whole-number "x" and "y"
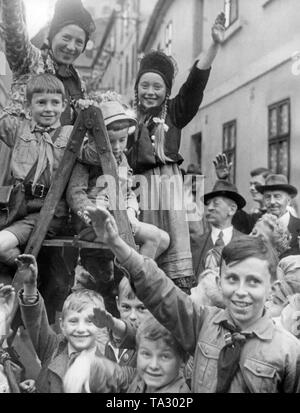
{"x": 57, "y": 351}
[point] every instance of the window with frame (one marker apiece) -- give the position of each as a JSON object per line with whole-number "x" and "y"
{"x": 279, "y": 137}
{"x": 229, "y": 145}
{"x": 168, "y": 38}
{"x": 231, "y": 10}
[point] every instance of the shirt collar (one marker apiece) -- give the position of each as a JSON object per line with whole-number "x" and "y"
{"x": 72, "y": 350}
{"x": 285, "y": 219}
{"x": 227, "y": 234}
{"x": 33, "y": 125}
{"x": 262, "y": 328}
{"x": 118, "y": 354}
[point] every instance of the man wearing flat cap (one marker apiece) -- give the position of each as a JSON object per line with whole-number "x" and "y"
{"x": 222, "y": 203}
{"x": 278, "y": 194}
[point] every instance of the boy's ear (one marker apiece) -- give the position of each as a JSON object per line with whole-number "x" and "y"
{"x": 61, "y": 324}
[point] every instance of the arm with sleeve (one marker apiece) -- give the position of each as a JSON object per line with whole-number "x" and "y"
{"x": 169, "y": 305}
{"x": 20, "y": 52}
{"x": 77, "y": 197}
{"x": 185, "y": 105}
{"x": 35, "y": 320}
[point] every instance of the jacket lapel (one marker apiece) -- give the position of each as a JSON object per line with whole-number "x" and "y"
{"x": 59, "y": 363}
{"x": 206, "y": 246}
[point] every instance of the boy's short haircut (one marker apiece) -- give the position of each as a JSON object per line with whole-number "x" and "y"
{"x": 260, "y": 171}
{"x": 243, "y": 247}
{"x": 44, "y": 83}
{"x": 118, "y": 125}
{"x": 125, "y": 290}
{"x": 79, "y": 300}
{"x": 152, "y": 330}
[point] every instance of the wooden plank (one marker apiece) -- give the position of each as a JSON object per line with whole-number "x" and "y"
{"x": 73, "y": 242}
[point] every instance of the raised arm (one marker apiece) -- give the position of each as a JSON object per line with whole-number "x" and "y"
{"x": 103, "y": 318}
{"x": 185, "y": 105}
{"x": 33, "y": 310}
{"x": 20, "y": 52}
{"x": 171, "y": 306}
{"x": 217, "y": 34}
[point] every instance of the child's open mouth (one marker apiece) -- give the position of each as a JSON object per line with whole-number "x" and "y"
{"x": 241, "y": 304}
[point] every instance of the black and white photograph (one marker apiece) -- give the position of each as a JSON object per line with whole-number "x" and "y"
{"x": 149, "y": 206}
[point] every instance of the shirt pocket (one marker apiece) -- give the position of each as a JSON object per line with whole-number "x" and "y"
{"x": 59, "y": 149}
{"x": 25, "y": 150}
{"x": 206, "y": 367}
{"x": 260, "y": 377}
{"x": 60, "y": 142}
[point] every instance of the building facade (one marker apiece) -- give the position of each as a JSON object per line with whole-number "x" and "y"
{"x": 250, "y": 105}
{"x": 116, "y": 62}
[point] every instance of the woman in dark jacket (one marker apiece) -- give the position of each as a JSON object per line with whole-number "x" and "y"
{"x": 155, "y": 152}
{"x": 69, "y": 32}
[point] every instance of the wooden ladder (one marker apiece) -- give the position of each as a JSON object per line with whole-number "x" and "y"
{"x": 91, "y": 120}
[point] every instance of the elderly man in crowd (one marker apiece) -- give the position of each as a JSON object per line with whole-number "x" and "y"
{"x": 222, "y": 203}
{"x": 278, "y": 194}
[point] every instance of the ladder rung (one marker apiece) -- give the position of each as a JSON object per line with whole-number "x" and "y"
{"x": 73, "y": 242}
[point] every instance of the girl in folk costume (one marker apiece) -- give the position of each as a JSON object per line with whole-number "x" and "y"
{"x": 69, "y": 32}
{"x": 155, "y": 151}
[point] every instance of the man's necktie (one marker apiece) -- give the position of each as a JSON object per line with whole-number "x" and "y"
{"x": 228, "y": 362}
{"x": 220, "y": 242}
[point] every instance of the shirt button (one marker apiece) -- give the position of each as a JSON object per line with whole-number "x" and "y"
{"x": 153, "y": 138}
{"x": 126, "y": 357}
{"x": 258, "y": 370}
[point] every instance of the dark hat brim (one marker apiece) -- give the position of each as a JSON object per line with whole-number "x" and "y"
{"x": 290, "y": 189}
{"x": 234, "y": 196}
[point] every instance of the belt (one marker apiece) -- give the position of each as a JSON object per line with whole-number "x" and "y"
{"x": 39, "y": 191}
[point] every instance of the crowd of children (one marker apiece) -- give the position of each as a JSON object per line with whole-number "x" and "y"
{"x": 128, "y": 323}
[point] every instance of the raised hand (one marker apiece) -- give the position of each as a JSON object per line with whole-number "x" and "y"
{"x": 222, "y": 166}
{"x": 28, "y": 386}
{"x": 103, "y": 318}
{"x": 27, "y": 266}
{"x": 103, "y": 223}
{"x": 218, "y": 29}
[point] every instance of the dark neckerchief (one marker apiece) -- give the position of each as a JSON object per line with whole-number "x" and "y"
{"x": 230, "y": 354}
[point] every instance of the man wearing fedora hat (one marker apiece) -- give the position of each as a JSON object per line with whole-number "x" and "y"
{"x": 222, "y": 203}
{"x": 278, "y": 194}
